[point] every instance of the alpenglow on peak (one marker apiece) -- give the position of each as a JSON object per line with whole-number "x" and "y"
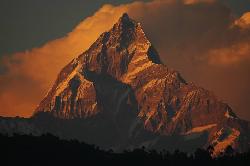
{"x": 120, "y": 82}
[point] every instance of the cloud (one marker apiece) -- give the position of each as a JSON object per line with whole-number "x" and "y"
{"x": 244, "y": 21}
{"x": 230, "y": 55}
{"x": 202, "y": 39}
{"x": 236, "y": 48}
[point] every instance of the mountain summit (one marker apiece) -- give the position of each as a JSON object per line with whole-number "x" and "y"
{"x": 120, "y": 90}
{"x": 120, "y": 54}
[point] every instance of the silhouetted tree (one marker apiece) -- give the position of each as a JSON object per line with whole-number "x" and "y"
{"x": 229, "y": 151}
{"x": 201, "y": 154}
{"x": 210, "y": 149}
{"x": 50, "y": 150}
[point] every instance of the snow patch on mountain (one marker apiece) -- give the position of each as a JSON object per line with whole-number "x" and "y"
{"x": 151, "y": 83}
{"x": 225, "y": 139}
{"x": 201, "y": 128}
{"x": 131, "y": 75}
{"x": 64, "y": 84}
{"x": 229, "y": 115}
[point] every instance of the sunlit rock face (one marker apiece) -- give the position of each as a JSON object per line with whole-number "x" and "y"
{"x": 121, "y": 77}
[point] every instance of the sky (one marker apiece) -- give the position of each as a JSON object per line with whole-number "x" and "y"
{"x": 207, "y": 41}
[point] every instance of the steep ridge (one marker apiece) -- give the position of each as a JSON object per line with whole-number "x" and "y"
{"x": 121, "y": 78}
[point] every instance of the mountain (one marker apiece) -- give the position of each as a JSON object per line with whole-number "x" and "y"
{"x": 119, "y": 94}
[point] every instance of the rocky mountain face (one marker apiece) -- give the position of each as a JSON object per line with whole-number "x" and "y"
{"x": 123, "y": 95}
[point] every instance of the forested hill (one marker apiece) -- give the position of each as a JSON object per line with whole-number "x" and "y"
{"x": 50, "y": 150}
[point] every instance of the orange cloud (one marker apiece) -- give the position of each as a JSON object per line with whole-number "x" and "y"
{"x": 197, "y": 1}
{"x": 243, "y": 21}
{"x": 230, "y": 55}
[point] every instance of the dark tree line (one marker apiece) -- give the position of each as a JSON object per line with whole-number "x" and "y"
{"x": 50, "y": 150}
